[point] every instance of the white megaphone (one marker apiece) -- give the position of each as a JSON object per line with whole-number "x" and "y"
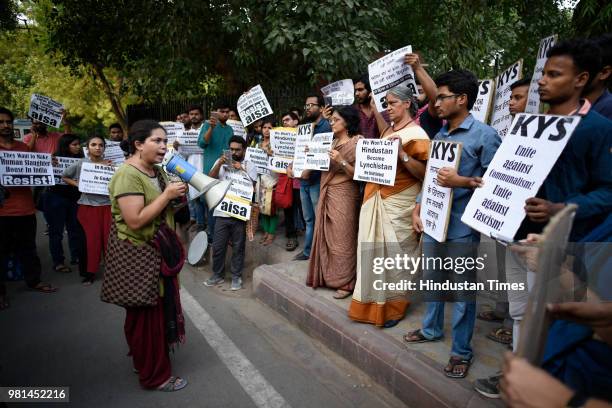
{"x": 214, "y": 190}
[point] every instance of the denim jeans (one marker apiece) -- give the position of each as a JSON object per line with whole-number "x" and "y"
{"x": 197, "y": 211}
{"x": 61, "y": 212}
{"x": 464, "y": 313}
{"x": 309, "y": 195}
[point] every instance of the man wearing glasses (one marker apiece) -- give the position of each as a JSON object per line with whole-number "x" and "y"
{"x": 309, "y": 187}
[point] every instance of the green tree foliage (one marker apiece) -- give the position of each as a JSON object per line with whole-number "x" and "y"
{"x": 592, "y": 18}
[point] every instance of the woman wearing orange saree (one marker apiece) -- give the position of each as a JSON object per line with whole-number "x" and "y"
{"x": 334, "y": 248}
{"x": 385, "y": 222}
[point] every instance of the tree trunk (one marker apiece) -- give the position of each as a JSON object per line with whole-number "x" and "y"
{"x": 112, "y": 96}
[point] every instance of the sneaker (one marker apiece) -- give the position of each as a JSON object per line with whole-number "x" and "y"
{"x": 236, "y": 284}
{"x": 214, "y": 281}
{"x": 301, "y": 257}
{"x": 489, "y": 387}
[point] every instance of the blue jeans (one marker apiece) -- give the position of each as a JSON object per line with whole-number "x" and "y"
{"x": 61, "y": 212}
{"x": 309, "y": 194}
{"x": 464, "y": 313}
{"x": 197, "y": 211}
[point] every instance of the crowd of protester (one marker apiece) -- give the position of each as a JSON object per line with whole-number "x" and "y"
{"x": 339, "y": 220}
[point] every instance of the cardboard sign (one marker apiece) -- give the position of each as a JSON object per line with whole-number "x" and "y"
{"x": 174, "y": 131}
{"x": 113, "y": 152}
{"x": 94, "y": 178}
{"x": 317, "y": 156}
{"x": 237, "y": 127}
{"x": 376, "y": 161}
{"x": 24, "y": 169}
{"x": 436, "y": 201}
{"x": 22, "y": 127}
{"x": 342, "y": 92}
{"x": 533, "y": 97}
{"x": 279, "y": 164}
{"x": 62, "y": 164}
{"x": 259, "y": 158}
{"x": 253, "y": 106}
{"x": 45, "y": 110}
{"x": 237, "y": 200}
{"x": 189, "y": 143}
{"x": 482, "y": 107}
{"x": 388, "y": 72}
{"x": 304, "y": 136}
{"x": 518, "y": 169}
{"x": 501, "y": 117}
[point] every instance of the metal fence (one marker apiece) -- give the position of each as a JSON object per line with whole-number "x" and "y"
{"x": 280, "y": 100}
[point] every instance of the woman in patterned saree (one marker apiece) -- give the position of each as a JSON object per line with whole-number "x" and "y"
{"x": 385, "y": 223}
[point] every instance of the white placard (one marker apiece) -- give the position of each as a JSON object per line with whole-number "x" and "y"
{"x": 253, "y": 105}
{"x": 24, "y": 169}
{"x": 304, "y": 135}
{"x": 317, "y": 156}
{"x": 436, "y": 201}
{"x": 21, "y": 127}
{"x": 237, "y": 127}
{"x": 259, "y": 158}
{"x": 516, "y": 172}
{"x": 237, "y": 200}
{"x": 94, "y": 178}
{"x": 500, "y": 116}
{"x": 376, "y": 161}
{"x": 388, "y": 72}
{"x": 62, "y": 164}
{"x": 482, "y": 106}
{"x": 282, "y": 141}
{"x": 533, "y": 97}
{"x": 45, "y": 110}
{"x": 113, "y": 152}
{"x": 189, "y": 143}
{"x": 342, "y": 92}
{"x": 279, "y": 164}
{"x": 174, "y": 131}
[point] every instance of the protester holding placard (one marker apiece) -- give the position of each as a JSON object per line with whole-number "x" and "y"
{"x": 311, "y": 179}
{"x": 293, "y": 214}
{"x": 115, "y": 132}
{"x": 518, "y": 96}
{"x": 18, "y": 221}
{"x": 426, "y": 117}
{"x": 370, "y": 120}
{"x": 61, "y": 212}
{"x": 265, "y": 186}
{"x": 143, "y": 244}
{"x": 230, "y": 229}
{"x": 214, "y": 138}
{"x": 384, "y": 220}
{"x": 457, "y": 92}
{"x": 333, "y": 259}
{"x": 94, "y": 212}
{"x": 598, "y": 92}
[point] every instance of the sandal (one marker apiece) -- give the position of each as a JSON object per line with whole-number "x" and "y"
{"x": 453, "y": 369}
{"x": 501, "y": 335}
{"x": 416, "y": 336}
{"x": 263, "y": 239}
{"x": 173, "y": 384}
{"x": 44, "y": 287}
{"x": 62, "y": 268}
{"x": 292, "y": 244}
{"x": 341, "y": 294}
{"x": 489, "y": 316}
{"x": 269, "y": 240}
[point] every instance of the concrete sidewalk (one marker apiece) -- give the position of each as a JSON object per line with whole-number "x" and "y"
{"x": 413, "y": 373}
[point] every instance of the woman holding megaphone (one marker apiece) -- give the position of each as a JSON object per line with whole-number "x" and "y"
{"x": 145, "y": 256}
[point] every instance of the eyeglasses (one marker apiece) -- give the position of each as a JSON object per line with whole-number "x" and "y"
{"x": 443, "y": 97}
{"x": 310, "y": 105}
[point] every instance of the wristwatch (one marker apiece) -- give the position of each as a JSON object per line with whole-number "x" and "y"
{"x": 405, "y": 158}
{"x": 343, "y": 163}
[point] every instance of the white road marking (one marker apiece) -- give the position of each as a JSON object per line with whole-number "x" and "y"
{"x": 254, "y": 384}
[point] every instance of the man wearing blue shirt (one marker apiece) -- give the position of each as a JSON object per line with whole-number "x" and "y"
{"x": 597, "y": 92}
{"x": 311, "y": 184}
{"x": 214, "y": 138}
{"x": 457, "y": 92}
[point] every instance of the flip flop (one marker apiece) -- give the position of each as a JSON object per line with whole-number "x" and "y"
{"x": 173, "y": 384}
{"x": 341, "y": 294}
{"x": 44, "y": 287}
{"x": 453, "y": 362}
{"x": 418, "y": 337}
{"x": 489, "y": 316}
{"x": 62, "y": 268}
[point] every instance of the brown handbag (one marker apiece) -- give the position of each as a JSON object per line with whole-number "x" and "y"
{"x": 131, "y": 276}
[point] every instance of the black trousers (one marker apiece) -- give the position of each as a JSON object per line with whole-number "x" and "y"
{"x": 18, "y": 236}
{"x": 227, "y": 228}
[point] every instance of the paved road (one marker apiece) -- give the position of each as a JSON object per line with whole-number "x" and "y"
{"x": 238, "y": 352}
